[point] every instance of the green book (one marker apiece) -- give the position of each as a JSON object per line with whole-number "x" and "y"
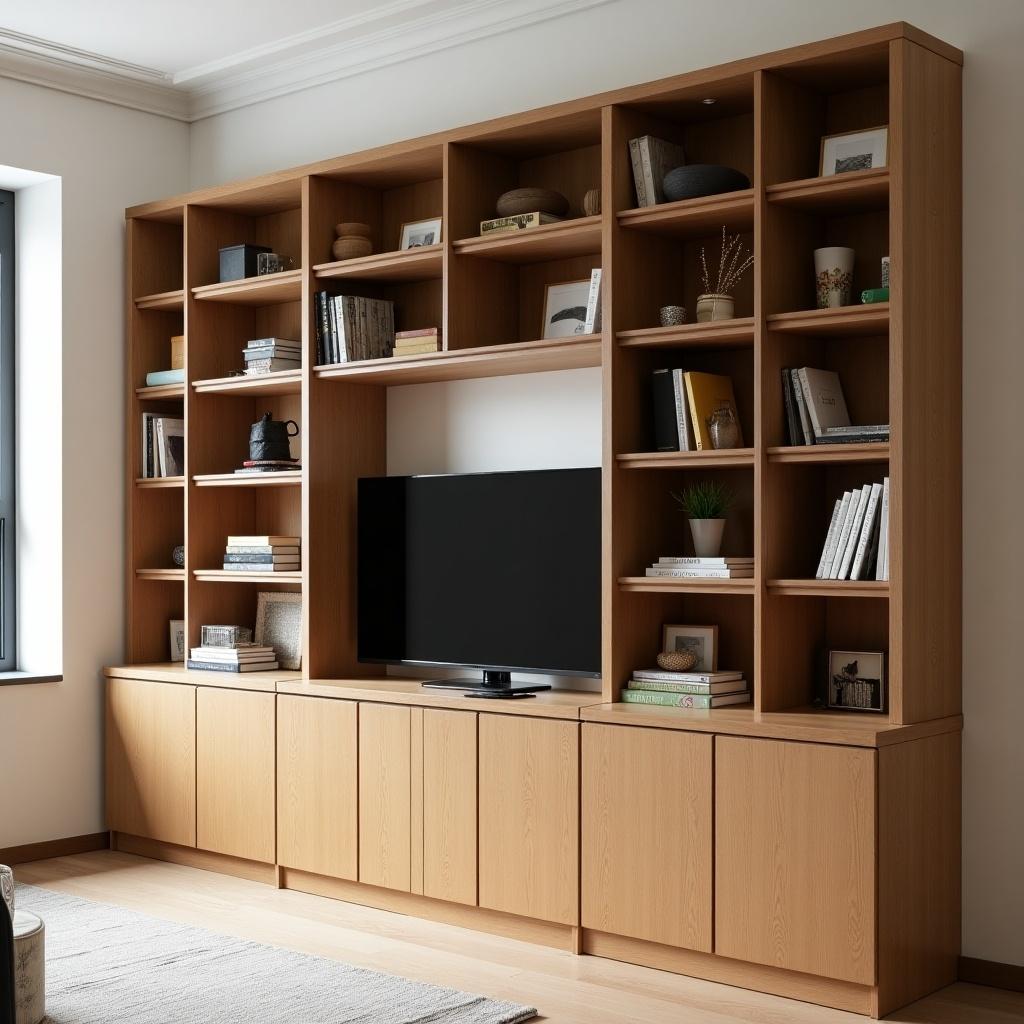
{"x": 684, "y": 700}
{"x": 874, "y": 295}
{"x": 667, "y": 686}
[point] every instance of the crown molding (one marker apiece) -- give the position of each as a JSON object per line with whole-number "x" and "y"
{"x": 388, "y": 34}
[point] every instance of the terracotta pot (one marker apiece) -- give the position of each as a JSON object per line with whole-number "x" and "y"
{"x": 715, "y": 307}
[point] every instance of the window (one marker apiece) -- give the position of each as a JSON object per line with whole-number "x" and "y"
{"x": 8, "y": 599}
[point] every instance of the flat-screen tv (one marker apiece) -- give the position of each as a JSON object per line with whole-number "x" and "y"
{"x": 496, "y": 571}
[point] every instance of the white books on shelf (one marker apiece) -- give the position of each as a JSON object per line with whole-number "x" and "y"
{"x": 701, "y": 573}
{"x": 858, "y": 525}
{"x": 830, "y": 538}
{"x": 844, "y": 534}
{"x": 721, "y": 562}
{"x": 823, "y": 395}
{"x": 882, "y": 565}
{"x": 684, "y": 423}
{"x": 592, "y": 322}
{"x": 801, "y": 407}
{"x": 867, "y": 533}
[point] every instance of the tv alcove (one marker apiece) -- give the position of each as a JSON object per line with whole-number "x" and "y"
{"x": 774, "y": 846}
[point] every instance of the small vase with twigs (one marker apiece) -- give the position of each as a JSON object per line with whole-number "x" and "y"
{"x": 734, "y": 260}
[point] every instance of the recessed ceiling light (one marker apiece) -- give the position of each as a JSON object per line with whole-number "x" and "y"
{"x": 708, "y": 100}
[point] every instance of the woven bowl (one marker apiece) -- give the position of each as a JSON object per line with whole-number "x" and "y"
{"x": 695, "y": 180}
{"x": 352, "y": 228}
{"x": 351, "y": 247}
{"x": 532, "y": 200}
{"x": 677, "y": 661}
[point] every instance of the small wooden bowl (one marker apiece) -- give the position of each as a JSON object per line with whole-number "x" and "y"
{"x": 352, "y": 228}
{"x": 532, "y": 200}
{"x": 677, "y": 661}
{"x": 351, "y": 247}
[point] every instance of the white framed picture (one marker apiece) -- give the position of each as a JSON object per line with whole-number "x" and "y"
{"x": 418, "y": 233}
{"x": 856, "y": 680}
{"x": 854, "y": 151}
{"x": 565, "y": 309}
{"x": 279, "y": 625}
{"x": 177, "y": 630}
{"x": 701, "y": 641}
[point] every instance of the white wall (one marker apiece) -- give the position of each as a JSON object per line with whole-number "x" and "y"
{"x": 106, "y": 158}
{"x": 638, "y": 40}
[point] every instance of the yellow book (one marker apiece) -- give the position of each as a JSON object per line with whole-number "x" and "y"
{"x": 706, "y": 392}
{"x": 178, "y": 352}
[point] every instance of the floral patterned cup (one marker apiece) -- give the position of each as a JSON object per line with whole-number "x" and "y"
{"x": 833, "y": 270}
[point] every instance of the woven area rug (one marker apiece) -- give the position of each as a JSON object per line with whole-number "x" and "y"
{"x": 107, "y": 964}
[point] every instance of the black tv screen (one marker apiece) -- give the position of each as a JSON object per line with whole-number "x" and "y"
{"x": 486, "y": 570}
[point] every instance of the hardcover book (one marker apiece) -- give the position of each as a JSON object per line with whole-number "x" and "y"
{"x": 652, "y": 158}
{"x": 517, "y": 222}
{"x": 706, "y": 393}
{"x": 826, "y": 404}
{"x": 685, "y": 700}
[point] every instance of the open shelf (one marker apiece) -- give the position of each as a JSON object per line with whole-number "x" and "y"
{"x": 818, "y": 454}
{"x": 284, "y": 478}
{"x": 229, "y": 576}
{"x": 470, "y": 363}
{"x": 694, "y": 217}
{"x": 422, "y": 264}
{"x": 687, "y": 460}
{"x": 158, "y": 575}
{"x": 830, "y": 588}
{"x": 715, "y": 334}
{"x": 280, "y": 382}
{"x": 255, "y": 291}
{"x": 159, "y": 482}
{"x": 172, "y": 300}
{"x": 578, "y": 237}
{"x": 161, "y": 391}
{"x": 856, "y": 190}
{"x": 841, "y": 320}
{"x": 666, "y": 585}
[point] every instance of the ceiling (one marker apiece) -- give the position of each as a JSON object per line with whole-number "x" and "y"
{"x": 193, "y": 58}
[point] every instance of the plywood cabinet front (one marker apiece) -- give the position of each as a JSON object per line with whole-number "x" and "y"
{"x": 151, "y": 760}
{"x": 529, "y": 817}
{"x": 385, "y": 780}
{"x": 235, "y": 755}
{"x": 317, "y": 790}
{"x": 647, "y": 834}
{"x": 795, "y": 856}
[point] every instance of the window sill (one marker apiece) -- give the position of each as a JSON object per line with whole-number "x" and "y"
{"x": 23, "y": 678}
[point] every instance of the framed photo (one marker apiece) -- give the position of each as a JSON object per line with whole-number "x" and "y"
{"x": 856, "y": 680}
{"x": 699, "y": 640}
{"x": 565, "y": 309}
{"x": 177, "y": 629}
{"x": 854, "y": 151}
{"x": 279, "y": 624}
{"x": 420, "y": 232}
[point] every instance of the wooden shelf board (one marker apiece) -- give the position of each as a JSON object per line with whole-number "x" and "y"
{"x": 174, "y": 300}
{"x": 268, "y": 290}
{"x": 830, "y": 588}
{"x": 469, "y": 363}
{"x": 161, "y": 391}
{"x": 160, "y": 574}
{"x": 694, "y": 585}
{"x": 284, "y": 478}
{"x": 280, "y": 382}
{"x": 824, "y": 454}
{"x": 872, "y": 318}
{"x": 578, "y": 237}
{"x": 838, "y": 193}
{"x": 422, "y": 264}
{"x": 159, "y": 482}
{"x": 717, "y": 334}
{"x": 175, "y": 672}
{"x": 687, "y": 460}
{"x": 695, "y": 217}
{"x": 229, "y": 576}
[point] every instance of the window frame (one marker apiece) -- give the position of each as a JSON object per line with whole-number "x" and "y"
{"x": 8, "y": 440}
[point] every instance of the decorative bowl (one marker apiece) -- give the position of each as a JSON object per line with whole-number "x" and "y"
{"x": 350, "y": 247}
{"x": 696, "y": 180}
{"x": 672, "y": 316}
{"x": 353, "y": 227}
{"x": 677, "y": 661}
{"x": 532, "y": 200}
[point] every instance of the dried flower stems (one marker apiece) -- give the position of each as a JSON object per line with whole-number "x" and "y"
{"x": 733, "y": 262}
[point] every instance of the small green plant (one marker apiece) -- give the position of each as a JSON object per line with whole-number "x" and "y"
{"x": 705, "y": 500}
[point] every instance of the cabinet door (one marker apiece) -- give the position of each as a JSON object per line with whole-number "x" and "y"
{"x": 795, "y": 856}
{"x": 449, "y": 805}
{"x": 235, "y": 753}
{"x": 529, "y": 817}
{"x": 647, "y": 834}
{"x": 385, "y": 777}
{"x": 317, "y": 788}
{"x": 151, "y": 760}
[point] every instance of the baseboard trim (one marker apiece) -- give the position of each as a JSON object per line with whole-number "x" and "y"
{"x": 991, "y": 973}
{"x": 51, "y": 848}
{"x": 219, "y": 863}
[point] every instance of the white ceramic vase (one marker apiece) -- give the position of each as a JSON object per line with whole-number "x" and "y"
{"x": 833, "y": 276}
{"x": 715, "y": 307}
{"x": 707, "y": 536}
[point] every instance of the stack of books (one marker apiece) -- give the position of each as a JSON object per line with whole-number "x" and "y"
{"x": 700, "y": 690}
{"x": 683, "y": 404}
{"x": 237, "y": 657}
{"x": 163, "y": 446}
{"x": 350, "y": 328}
{"x": 265, "y": 355}
{"x": 253, "y": 467}
{"x": 816, "y": 410}
{"x": 652, "y": 158}
{"x": 517, "y": 222}
{"x": 263, "y": 554}
{"x": 857, "y": 544}
{"x": 694, "y": 567}
{"x": 415, "y": 343}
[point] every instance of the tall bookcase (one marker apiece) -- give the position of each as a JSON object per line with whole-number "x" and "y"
{"x": 899, "y": 362}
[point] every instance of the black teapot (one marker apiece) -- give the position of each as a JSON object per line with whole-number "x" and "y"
{"x": 269, "y": 439}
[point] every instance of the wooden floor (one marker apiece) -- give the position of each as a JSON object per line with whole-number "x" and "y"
{"x": 566, "y": 989}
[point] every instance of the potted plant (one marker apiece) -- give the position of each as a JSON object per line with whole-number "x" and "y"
{"x": 734, "y": 260}
{"x": 706, "y": 504}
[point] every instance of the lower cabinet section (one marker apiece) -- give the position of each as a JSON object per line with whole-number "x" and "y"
{"x": 795, "y": 847}
{"x": 647, "y": 850}
{"x": 529, "y": 817}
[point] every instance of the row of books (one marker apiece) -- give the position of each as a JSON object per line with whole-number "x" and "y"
{"x": 684, "y": 402}
{"x": 266, "y": 355}
{"x": 265, "y": 553}
{"x": 816, "y": 410}
{"x": 239, "y": 657}
{"x": 652, "y": 158}
{"x": 693, "y": 567}
{"x": 350, "y": 328}
{"x": 857, "y": 544}
{"x": 700, "y": 690}
{"x": 163, "y": 446}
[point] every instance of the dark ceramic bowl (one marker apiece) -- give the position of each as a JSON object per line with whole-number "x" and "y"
{"x": 695, "y": 180}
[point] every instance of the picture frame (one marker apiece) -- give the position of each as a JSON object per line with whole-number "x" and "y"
{"x": 177, "y": 638}
{"x": 418, "y": 233}
{"x": 565, "y": 309}
{"x": 700, "y": 640}
{"x": 279, "y": 625}
{"x": 854, "y": 151}
{"x": 856, "y": 681}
